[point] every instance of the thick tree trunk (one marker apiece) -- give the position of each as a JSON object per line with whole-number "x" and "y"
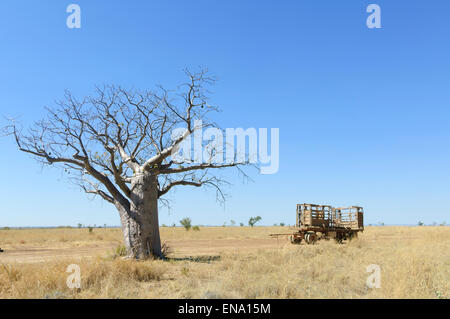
{"x": 140, "y": 224}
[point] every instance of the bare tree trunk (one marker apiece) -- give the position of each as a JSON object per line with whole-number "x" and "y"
{"x": 140, "y": 224}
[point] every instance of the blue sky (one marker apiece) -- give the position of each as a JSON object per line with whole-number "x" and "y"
{"x": 363, "y": 113}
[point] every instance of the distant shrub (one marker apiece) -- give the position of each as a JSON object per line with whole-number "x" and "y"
{"x": 6, "y": 228}
{"x": 253, "y": 220}
{"x": 282, "y": 224}
{"x": 196, "y": 228}
{"x": 90, "y": 229}
{"x": 241, "y": 224}
{"x": 420, "y": 223}
{"x": 186, "y": 223}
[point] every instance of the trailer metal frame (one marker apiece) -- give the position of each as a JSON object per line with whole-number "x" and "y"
{"x": 315, "y": 222}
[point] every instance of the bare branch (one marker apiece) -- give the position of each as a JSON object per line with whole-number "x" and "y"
{"x": 199, "y": 167}
{"x": 116, "y": 134}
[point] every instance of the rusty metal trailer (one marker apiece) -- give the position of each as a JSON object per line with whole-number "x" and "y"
{"x": 315, "y": 222}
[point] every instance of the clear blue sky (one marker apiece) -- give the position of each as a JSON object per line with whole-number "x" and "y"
{"x": 363, "y": 113}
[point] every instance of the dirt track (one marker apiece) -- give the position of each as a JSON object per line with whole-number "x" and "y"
{"x": 178, "y": 248}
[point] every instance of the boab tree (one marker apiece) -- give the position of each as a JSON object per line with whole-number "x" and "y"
{"x": 118, "y": 145}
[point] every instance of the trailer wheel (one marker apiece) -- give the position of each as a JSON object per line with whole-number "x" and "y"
{"x": 291, "y": 239}
{"x": 350, "y": 236}
{"x": 295, "y": 240}
{"x": 310, "y": 238}
{"x": 339, "y": 238}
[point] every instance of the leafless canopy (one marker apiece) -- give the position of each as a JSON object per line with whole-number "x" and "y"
{"x": 103, "y": 140}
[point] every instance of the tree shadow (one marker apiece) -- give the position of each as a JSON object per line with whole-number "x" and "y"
{"x": 197, "y": 259}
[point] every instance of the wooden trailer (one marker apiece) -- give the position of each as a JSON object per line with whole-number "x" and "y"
{"x": 315, "y": 222}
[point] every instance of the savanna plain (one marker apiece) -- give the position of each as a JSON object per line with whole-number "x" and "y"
{"x": 226, "y": 262}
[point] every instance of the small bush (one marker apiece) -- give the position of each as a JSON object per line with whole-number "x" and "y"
{"x": 253, "y": 220}
{"x": 186, "y": 223}
{"x": 185, "y": 271}
{"x": 119, "y": 251}
{"x": 166, "y": 250}
{"x": 196, "y": 228}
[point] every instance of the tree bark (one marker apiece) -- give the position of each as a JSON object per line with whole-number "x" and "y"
{"x": 140, "y": 224}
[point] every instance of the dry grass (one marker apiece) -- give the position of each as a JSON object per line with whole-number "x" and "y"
{"x": 100, "y": 278}
{"x": 82, "y": 236}
{"x": 58, "y": 236}
{"x": 414, "y": 261}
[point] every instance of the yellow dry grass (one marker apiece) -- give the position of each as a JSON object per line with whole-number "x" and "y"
{"x": 80, "y": 236}
{"x": 414, "y": 261}
{"x": 57, "y": 236}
